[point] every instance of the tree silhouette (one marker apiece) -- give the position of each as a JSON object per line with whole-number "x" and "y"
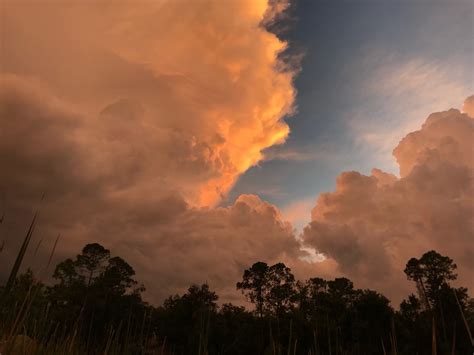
{"x": 185, "y": 320}
{"x": 95, "y": 289}
{"x": 92, "y": 261}
{"x": 97, "y": 302}
{"x": 431, "y": 272}
{"x": 281, "y": 287}
{"x": 439, "y": 305}
{"x": 271, "y": 289}
{"x": 254, "y": 285}
{"x": 117, "y": 277}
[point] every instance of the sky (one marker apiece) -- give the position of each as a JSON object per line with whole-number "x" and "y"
{"x": 372, "y": 71}
{"x": 194, "y": 138}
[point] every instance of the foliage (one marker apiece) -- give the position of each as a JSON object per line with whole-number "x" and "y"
{"x": 438, "y": 304}
{"x": 95, "y": 306}
{"x": 431, "y": 272}
{"x": 270, "y": 288}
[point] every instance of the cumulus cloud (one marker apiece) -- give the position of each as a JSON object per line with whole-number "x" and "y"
{"x": 371, "y": 225}
{"x": 397, "y": 96}
{"x": 47, "y": 147}
{"x": 210, "y": 245}
{"x": 134, "y": 120}
{"x": 195, "y": 89}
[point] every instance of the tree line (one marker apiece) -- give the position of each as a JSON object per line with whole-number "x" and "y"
{"x": 95, "y": 306}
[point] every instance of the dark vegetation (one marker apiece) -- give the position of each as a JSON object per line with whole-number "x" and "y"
{"x": 95, "y": 307}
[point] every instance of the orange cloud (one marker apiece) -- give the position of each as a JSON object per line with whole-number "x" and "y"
{"x": 206, "y": 75}
{"x": 134, "y": 121}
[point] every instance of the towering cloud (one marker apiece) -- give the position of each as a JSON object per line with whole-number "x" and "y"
{"x": 94, "y": 193}
{"x": 134, "y": 118}
{"x": 188, "y": 93}
{"x": 371, "y": 225}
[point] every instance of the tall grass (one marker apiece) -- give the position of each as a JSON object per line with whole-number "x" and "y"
{"x": 21, "y": 334}
{"x": 20, "y": 256}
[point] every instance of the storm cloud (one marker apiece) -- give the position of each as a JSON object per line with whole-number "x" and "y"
{"x": 186, "y": 92}
{"x": 134, "y": 122}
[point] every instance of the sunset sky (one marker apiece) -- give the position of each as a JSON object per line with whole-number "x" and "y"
{"x": 194, "y": 138}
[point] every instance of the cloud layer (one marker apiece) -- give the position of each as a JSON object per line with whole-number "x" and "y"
{"x": 371, "y": 225}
